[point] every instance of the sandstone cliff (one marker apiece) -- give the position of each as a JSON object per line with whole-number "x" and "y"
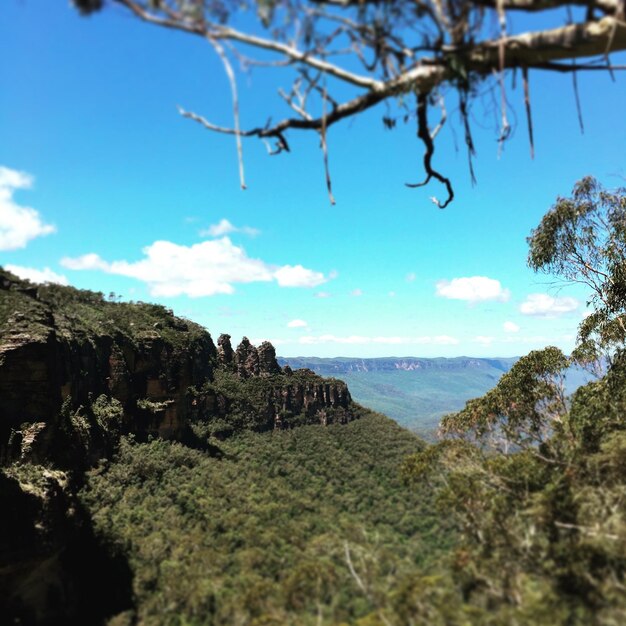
{"x": 77, "y": 371}
{"x": 78, "y": 368}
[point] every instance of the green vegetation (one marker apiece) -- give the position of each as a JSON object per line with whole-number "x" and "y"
{"x": 258, "y": 533}
{"x": 535, "y": 483}
{"x": 82, "y": 314}
{"x": 251, "y": 403}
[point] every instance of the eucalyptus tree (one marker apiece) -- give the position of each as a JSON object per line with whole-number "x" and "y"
{"x": 535, "y": 481}
{"x": 582, "y": 239}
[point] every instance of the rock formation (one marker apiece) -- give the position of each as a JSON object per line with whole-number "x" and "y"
{"x": 267, "y": 359}
{"x": 246, "y": 359}
{"x": 67, "y": 356}
{"x": 225, "y": 352}
{"x": 76, "y": 373}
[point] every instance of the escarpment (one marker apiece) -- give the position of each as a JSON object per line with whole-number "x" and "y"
{"x": 77, "y": 370}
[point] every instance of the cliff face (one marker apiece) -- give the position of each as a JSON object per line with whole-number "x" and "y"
{"x": 78, "y": 369}
{"x": 63, "y": 347}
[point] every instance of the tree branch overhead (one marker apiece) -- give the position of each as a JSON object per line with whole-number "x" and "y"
{"x": 402, "y": 47}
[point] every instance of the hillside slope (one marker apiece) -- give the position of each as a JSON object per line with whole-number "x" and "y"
{"x": 258, "y": 533}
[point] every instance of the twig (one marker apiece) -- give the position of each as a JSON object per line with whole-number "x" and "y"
{"x": 329, "y": 184}
{"x": 579, "y": 111}
{"x": 353, "y": 572}
{"x": 529, "y": 117}
{"x": 505, "y": 127}
{"x": 424, "y": 134}
{"x": 469, "y": 141}
{"x": 233, "y": 88}
{"x": 442, "y": 121}
{"x": 575, "y": 78}
{"x": 607, "y": 55}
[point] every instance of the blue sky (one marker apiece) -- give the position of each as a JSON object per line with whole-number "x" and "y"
{"x": 126, "y": 196}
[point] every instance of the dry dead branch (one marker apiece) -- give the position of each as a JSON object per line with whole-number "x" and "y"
{"x": 403, "y": 47}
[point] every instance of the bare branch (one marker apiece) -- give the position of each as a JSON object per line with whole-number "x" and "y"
{"x": 529, "y": 117}
{"x": 338, "y": 113}
{"x": 224, "y": 32}
{"x": 233, "y": 87}
{"x": 424, "y": 134}
{"x": 534, "y": 6}
{"x": 424, "y": 45}
{"x": 572, "y": 41}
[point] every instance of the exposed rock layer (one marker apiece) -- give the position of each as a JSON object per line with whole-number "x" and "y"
{"x": 76, "y": 372}
{"x": 61, "y": 347}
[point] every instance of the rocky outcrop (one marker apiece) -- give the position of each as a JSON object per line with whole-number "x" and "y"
{"x": 70, "y": 357}
{"x": 60, "y": 345}
{"x": 246, "y": 359}
{"x": 225, "y": 352}
{"x": 251, "y": 361}
{"x": 77, "y": 372}
{"x": 264, "y": 403}
{"x": 268, "y": 364}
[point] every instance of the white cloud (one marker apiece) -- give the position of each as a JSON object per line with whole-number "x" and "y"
{"x": 46, "y": 275}
{"x": 392, "y": 294}
{"x": 322, "y": 294}
{"x": 356, "y": 293}
{"x": 410, "y": 277}
{"x": 224, "y": 227}
{"x": 543, "y": 305}
{"x": 204, "y": 269}
{"x": 510, "y": 327}
{"x": 86, "y": 262}
{"x": 297, "y": 324}
{"x": 441, "y": 340}
{"x": 483, "y": 340}
{"x": 298, "y": 276}
{"x": 18, "y": 224}
{"x": 473, "y": 289}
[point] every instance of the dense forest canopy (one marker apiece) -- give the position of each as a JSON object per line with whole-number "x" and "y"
{"x": 342, "y": 57}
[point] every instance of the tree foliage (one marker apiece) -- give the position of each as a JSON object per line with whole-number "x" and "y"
{"x": 536, "y": 482}
{"x": 262, "y": 533}
{"x": 582, "y": 239}
{"x": 342, "y": 57}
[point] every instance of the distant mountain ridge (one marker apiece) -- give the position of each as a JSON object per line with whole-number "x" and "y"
{"x": 341, "y": 365}
{"x": 414, "y": 391}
